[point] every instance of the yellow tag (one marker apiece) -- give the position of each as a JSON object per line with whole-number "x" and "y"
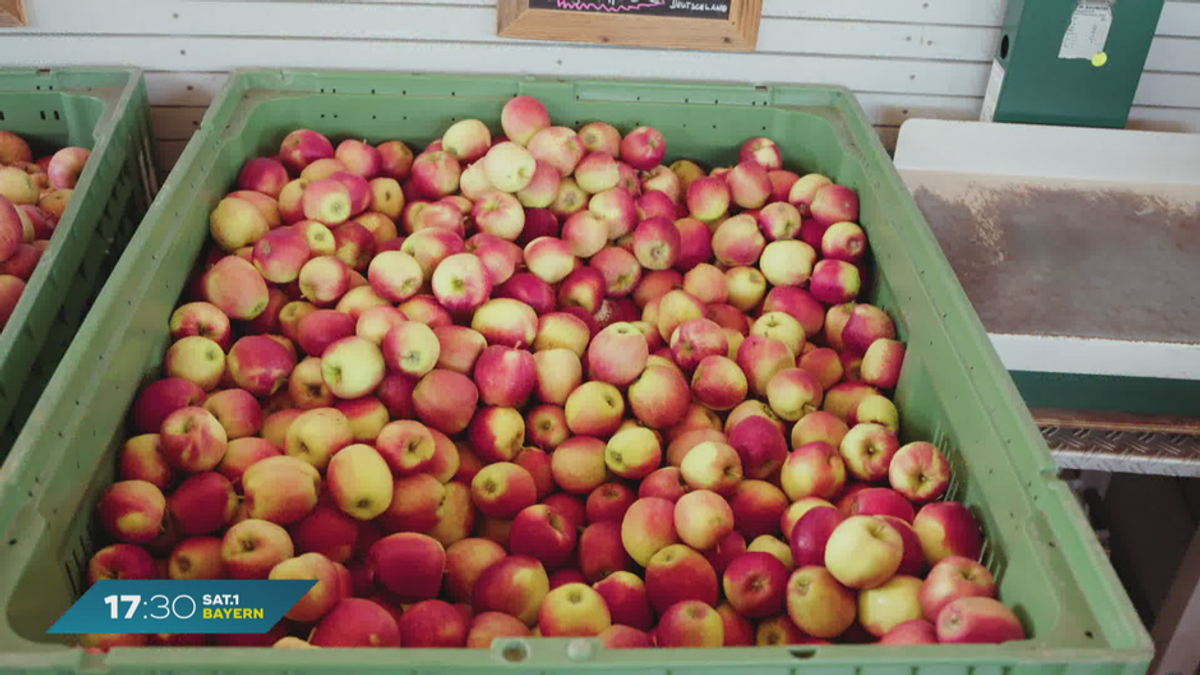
{"x": 1099, "y": 59}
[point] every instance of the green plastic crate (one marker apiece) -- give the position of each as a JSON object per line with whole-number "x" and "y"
{"x": 954, "y": 389}
{"x": 106, "y": 111}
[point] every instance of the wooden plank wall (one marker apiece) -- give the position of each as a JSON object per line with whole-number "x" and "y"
{"x": 904, "y": 58}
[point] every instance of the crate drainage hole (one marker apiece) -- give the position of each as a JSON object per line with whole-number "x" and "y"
{"x": 804, "y": 653}
{"x": 1089, "y": 634}
{"x": 516, "y": 652}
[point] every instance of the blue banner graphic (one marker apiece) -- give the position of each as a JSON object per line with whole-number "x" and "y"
{"x": 166, "y": 606}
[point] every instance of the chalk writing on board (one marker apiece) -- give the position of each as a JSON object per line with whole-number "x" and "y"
{"x": 672, "y": 8}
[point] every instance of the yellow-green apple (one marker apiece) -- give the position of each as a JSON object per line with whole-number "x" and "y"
{"x": 597, "y": 171}
{"x": 706, "y": 283}
{"x": 690, "y": 623}
{"x": 445, "y": 400}
{"x": 844, "y": 241}
{"x": 573, "y": 610}
{"x": 799, "y": 304}
{"x": 141, "y": 458}
{"x": 561, "y": 330}
{"x": 948, "y": 529}
{"x": 662, "y": 180}
{"x": 459, "y": 348}
{"x": 738, "y": 241}
{"x": 320, "y": 239}
{"x": 194, "y": 558}
{"x": 647, "y": 527}
{"x": 522, "y": 117}
{"x": 585, "y": 234}
{"x": 280, "y": 489}
{"x": 919, "y": 472}
{"x": 202, "y": 319}
{"x": 867, "y": 323}
{"x": 659, "y": 397}
{"x": 570, "y": 200}
{"x": 783, "y": 327}
{"x": 778, "y": 630}
{"x": 702, "y": 518}
{"x": 834, "y": 203}
{"x": 121, "y": 561}
{"x": 578, "y": 464}
{"x": 316, "y": 435}
{"x": 395, "y": 159}
{"x": 868, "y": 449}
{"x": 54, "y": 203}
{"x": 407, "y": 446}
{"x": 609, "y": 502}
{"x": 466, "y": 561}
{"x": 291, "y": 200}
{"x": 818, "y": 604}
{"x": 695, "y": 243}
{"x": 408, "y": 565}
{"x": 488, "y": 626}
{"x": 290, "y": 642}
{"x": 500, "y": 259}
{"x": 708, "y": 198}
{"x": 557, "y": 372}
{"x": 749, "y": 184}
{"x": 656, "y": 243}
{"x": 779, "y": 221}
{"x": 506, "y": 376}
{"x": 617, "y": 209}
{"x": 468, "y": 140}
{"x": 374, "y": 323}
{"x": 251, "y": 548}
{"x": 882, "y": 608}
{"x": 506, "y": 322}
{"x": 431, "y": 246}
{"x": 327, "y": 201}
{"x": 560, "y": 147}
{"x": 834, "y": 281}
{"x": 674, "y": 309}
{"x": 260, "y": 364}
{"x": 549, "y": 259}
{"x": 355, "y": 622}
{"x": 595, "y": 409}
{"x": 825, "y": 364}
{"x": 322, "y": 597}
{"x": 509, "y": 167}
{"x": 747, "y": 286}
{"x": 797, "y": 510}
{"x": 953, "y": 578}
{"x": 882, "y": 362}
{"x": 307, "y": 387}
{"x": 666, "y": 482}
{"x": 542, "y": 188}
{"x": 728, "y": 547}
{"x": 583, "y": 288}
{"x": 685, "y": 442}
{"x": 787, "y": 262}
{"x": 814, "y": 469}
{"x": 352, "y": 367}
{"x": 360, "y": 481}
{"x": 328, "y": 531}
{"x": 811, "y": 533}
{"x": 695, "y": 340}
{"x": 456, "y": 515}
{"x": 353, "y": 245}
{"x": 192, "y": 439}
{"x": 864, "y": 551}
{"x": 805, "y": 189}
{"x": 292, "y": 314}
{"x": 913, "y": 563}
{"x": 819, "y": 425}
{"x": 196, "y": 359}
{"x": 497, "y": 434}
{"x": 633, "y": 453}
{"x": 876, "y": 501}
{"x": 739, "y": 632}
{"x": 843, "y": 398}
{"x": 498, "y": 213}
{"x": 712, "y": 465}
{"x": 236, "y": 223}
{"x": 203, "y": 503}
{"x": 760, "y": 446}
{"x": 760, "y": 358}
{"x": 719, "y": 383}
{"x": 387, "y": 205}
{"x": 515, "y": 585}
{"x": 911, "y": 632}
{"x": 753, "y": 408}
{"x": 324, "y": 280}
{"x": 978, "y": 620}
{"x": 757, "y": 508}
{"x": 13, "y": 148}
{"x": 411, "y": 348}
{"x": 435, "y": 174}
{"x": 275, "y": 426}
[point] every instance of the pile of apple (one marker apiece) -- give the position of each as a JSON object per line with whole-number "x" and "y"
{"x": 33, "y": 196}
{"x": 543, "y": 385}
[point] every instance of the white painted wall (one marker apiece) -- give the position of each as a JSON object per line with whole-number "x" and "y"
{"x": 904, "y": 58}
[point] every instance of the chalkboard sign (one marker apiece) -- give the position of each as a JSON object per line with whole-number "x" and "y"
{"x": 729, "y": 25}
{"x": 676, "y": 8}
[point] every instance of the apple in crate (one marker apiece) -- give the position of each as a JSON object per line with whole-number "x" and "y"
{"x": 882, "y": 608}
{"x": 690, "y": 623}
{"x": 978, "y": 620}
{"x": 755, "y": 584}
{"x": 355, "y": 622}
{"x": 251, "y": 548}
{"x": 515, "y": 585}
{"x": 121, "y": 561}
{"x": 677, "y": 573}
{"x": 196, "y": 558}
{"x": 948, "y": 529}
{"x": 282, "y": 490}
{"x": 819, "y": 604}
{"x": 863, "y": 551}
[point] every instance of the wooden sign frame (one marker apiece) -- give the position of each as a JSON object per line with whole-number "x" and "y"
{"x": 738, "y": 33}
